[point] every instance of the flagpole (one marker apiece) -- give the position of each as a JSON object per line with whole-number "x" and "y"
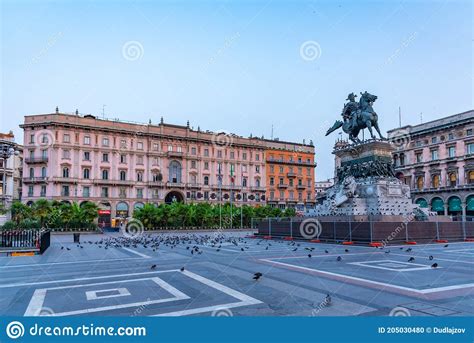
{"x": 231, "y": 191}
{"x": 241, "y": 190}
{"x": 220, "y": 197}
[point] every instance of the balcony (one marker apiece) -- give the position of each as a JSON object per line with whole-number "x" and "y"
{"x": 155, "y": 184}
{"x": 257, "y": 189}
{"x": 193, "y": 185}
{"x": 40, "y": 179}
{"x": 57, "y": 179}
{"x": 282, "y": 185}
{"x": 36, "y": 160}
{"x": 300, "y": 186}
{"x": 175, "y": 154}
{"x": 290, "y": 174}
{"x": 175, "y": 185}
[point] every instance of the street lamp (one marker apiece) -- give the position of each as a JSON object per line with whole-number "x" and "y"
{"x": 7, "y": 149}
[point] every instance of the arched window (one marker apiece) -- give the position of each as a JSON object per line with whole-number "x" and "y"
{"x": 139, "y": 176}
{"x": 419, "y": 182}
{"x": 32, "y": 173}
{"x": 123, "y": 175}
{"x": 175, "y": 172}
{"x": 65, "y": 172}
{"x": 43, "y": 172}
{"x": 86, "y": 173}
{"x": 206, "y": 180}
{"x": 105, "y": 174}
{"x": 402, "y": 159}
{"x": 244, "y": 182}
{"x": 435, "y": 181}
{"x": 257, "y": 182}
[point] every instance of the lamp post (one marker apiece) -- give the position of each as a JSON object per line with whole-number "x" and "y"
{"x": 7, "y": 149}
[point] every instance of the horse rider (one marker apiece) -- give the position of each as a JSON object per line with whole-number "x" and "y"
{"x": 349, "y": 113}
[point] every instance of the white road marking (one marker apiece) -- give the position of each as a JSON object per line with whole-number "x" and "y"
{"x": 394, "y": 269}
{"x": 119, "y": 292}
{"x": 84, "y": 279}
{"x": 136, "y": 252}
{"x": 37, "y": 301}
{"x": 71, "y": 262}
{"x": 414, "y": 290}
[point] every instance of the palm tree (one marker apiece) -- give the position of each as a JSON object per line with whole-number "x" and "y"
{"x": 19, "y": 212}
{"x": 41, "y": 209}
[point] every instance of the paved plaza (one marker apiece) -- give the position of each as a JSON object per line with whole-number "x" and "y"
{"x": 211, "y": 274}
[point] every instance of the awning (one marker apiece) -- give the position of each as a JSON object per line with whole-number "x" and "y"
{"x": 454, "y": 204}
{"x": 470, "y": 203}
{"x": 437, "y": 205}
{"x": 422, "y": 202}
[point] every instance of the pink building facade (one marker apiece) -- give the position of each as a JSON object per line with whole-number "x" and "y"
{"x": 121, "y": 165}
{"x": 436, "y": 159}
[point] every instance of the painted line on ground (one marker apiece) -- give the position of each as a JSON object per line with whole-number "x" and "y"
{"x": 136, "y": 252}
{"x": 71, "y": 262}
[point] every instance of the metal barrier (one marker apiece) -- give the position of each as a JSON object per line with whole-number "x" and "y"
{"x": 21, "y": 240}
{"x": 311, "y": 228}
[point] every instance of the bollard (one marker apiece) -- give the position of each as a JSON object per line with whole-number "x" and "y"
{"x": 77, "y": 237}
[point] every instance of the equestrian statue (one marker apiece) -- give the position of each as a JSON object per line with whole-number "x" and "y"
{"x": 358, "y": 116}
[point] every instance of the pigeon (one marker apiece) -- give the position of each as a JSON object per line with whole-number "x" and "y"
{"x": 339, "y": 258}
{"x": 295, "y": 249}
{"x": 242, "y": 249}
{"x": 257, "y": 276}
{"x": 387, "y": 252}
{"x": 447, "y": 245}
{"x": 327, "y": 300}
{"x": 434, "y": 265}
{"x": 68, "y": 249}
{"x": 327, "y": 252}
{"x": 346, "y": 250}
{"x": 153, "y": 266}
{"x": 431, "y": 257}
{"x": 62, "y": 248}
{"x": 408, "y": 250}
{"x": 309, "y": 255}
{"x": 182, "y": 269}
{"x": 411, "y": 259}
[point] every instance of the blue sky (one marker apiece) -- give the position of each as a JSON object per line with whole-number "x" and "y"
{"x": 237, "y": 66}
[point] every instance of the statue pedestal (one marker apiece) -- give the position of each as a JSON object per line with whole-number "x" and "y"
{"x": 365, "y": 184}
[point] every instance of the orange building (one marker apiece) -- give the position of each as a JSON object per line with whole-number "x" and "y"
{"x": 290, "y": 169}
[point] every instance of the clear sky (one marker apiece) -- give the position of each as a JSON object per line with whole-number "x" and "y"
{"x": 239, "y": 66}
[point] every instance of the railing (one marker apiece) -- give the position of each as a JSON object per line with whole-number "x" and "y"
{"x": 31, "y": 240}
{"x": 32, "y": 160}
{"x": 36, "y": 179}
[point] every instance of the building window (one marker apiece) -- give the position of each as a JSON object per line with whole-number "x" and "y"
{"x": 32, "y": 173}
{"x": 43, "y": 172}
{"x": 175, "y": 172}
{"x": 86, "y": 173}
{"x": 123, "y": 158}
{"x": 139, "y": 176}
{"x": 451, "y": 151}
{"x": 65, "y": 172}
{"x": 66, "y": 154}
{"x": 139, "y": 159}
{"x": 257, "y": 182}
{"x": 65, "y": 191}
{"x": 451, "y": 136}
{"x": 434, "y": 155}
{"x": 419, "y": 157}
{"x": 257, "y": 169}
{"x": 32, "y": 139}
{"x": 43, "y": 191}
{"x": 105, "y": 141}
{"x": 244, "y": 156}
{"x": 206, "y": 152}
{"x": 206, "y": 195}
{"x": 257, "y": 157}
{"x": 87, "y": 156}
{"x": 139, "y": 193}
{"x": 419, "y": 183}
{"x": 105, "y": 157}
{"x": 105, "y": 174}
{"x": 434, "y": 139}
{"x": 66, "y": 138}
{"x": 470, "y": 148}
{"x": 104, "y": 192}
{"x": 244, "y": 182}
{"x": 402, "y": 159}
{"x": 193, "y": 151}
{"x": 122, "y": 192}
{"x": 469, "y": 132}
{"x": 206, "y": 180}
{"x": 156, "y": 146}
{"x": 123, "y": 144}
{"x": 435, "y": 181}
{"x": 193, "y": 164}
{"x": 453, "y": 180}
{"x": 219, "y": 153}
{"x": 232, "y": 155}
{"x": 471, "y": 177}
{"x": 140, "y": 145}
{"x": 179, "y": 149}
{"x": 86, "y": 192}
{"x": 206, "y": 165}
{"x": 30, "y": 191}
{"x": 87, "y": 140}
{"x": 123, "y": 175}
